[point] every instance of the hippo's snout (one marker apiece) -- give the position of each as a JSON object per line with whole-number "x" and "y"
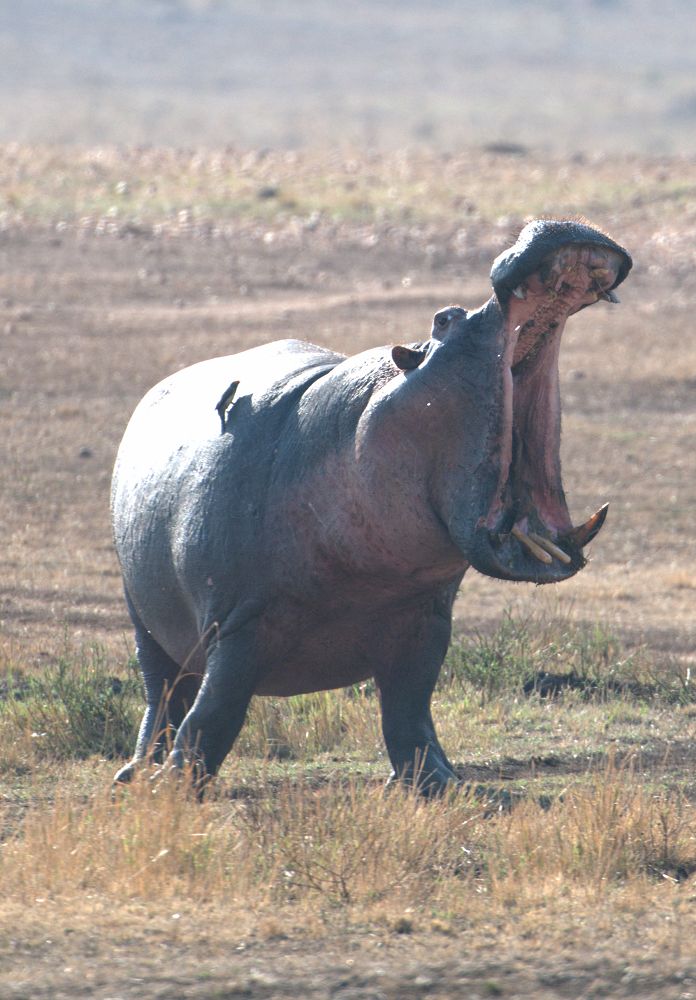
{"x": 549, "y": 240}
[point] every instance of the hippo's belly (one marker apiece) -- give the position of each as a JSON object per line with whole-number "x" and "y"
{"x": 317, "y": 649}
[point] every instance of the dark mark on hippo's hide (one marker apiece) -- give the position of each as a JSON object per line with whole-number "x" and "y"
{"x": 317, "y": 535}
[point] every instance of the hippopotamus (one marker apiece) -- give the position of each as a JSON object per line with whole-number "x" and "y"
{"x": 289, "y": 519}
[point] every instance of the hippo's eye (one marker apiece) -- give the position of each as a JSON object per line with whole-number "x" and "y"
{"x": 442, "y": 318}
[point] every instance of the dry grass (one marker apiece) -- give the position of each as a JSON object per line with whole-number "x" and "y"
{"x": 336, "y": 877}
{"x": 300, "y": 830}
{"x": 344, "y": 853}
{"x": 119, "y": 191}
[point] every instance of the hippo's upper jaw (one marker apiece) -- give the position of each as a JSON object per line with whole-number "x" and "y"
{"x": 554, "y": 270}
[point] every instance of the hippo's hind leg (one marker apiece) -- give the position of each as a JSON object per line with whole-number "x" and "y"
{"x": 208, "y": 731}
{"x": 170, "y": 693}
{"x": 405, "y": 688}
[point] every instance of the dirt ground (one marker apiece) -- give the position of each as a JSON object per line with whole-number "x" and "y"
{"x": 342, "y": 967}
{"x": 89, "y": 320}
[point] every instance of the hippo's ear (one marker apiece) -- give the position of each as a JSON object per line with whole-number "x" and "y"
{"x": 407, "y": 358}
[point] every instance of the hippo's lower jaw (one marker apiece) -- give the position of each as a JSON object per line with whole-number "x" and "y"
{"x": 526, "y": 555}
{"x": 526, "y": 532}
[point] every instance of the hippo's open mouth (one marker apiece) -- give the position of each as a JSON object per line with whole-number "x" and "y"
{"x": 553, "y": 271}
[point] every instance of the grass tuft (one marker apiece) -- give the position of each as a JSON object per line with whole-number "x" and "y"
{"x": 85, "y": 705}
{"x": 555, "y": 655}
{"x": 348, "y": 846}
{"x": 74, "y": 708}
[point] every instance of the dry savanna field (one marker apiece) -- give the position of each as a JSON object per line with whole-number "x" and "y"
{"x": 565, "y": 867}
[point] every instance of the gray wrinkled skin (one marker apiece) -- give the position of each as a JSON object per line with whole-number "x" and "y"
{"x": 314, "y": 530}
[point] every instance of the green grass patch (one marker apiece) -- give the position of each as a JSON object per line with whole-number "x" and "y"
{"x": 516, "y": 681}
{"x": 553, "y": 658}
{"x": 74, "y": 708}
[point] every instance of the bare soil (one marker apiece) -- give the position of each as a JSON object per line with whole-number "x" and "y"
{"x": 168, "y": 960}
{"x": 90, "y": 318}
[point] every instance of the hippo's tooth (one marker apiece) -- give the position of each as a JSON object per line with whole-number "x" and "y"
{"x": 551, "y": 548}
{"x": 532, "y": 547}
{"x": 584, "y": 533}
{"x": 610, "y": 297}
{"x": 519, "y": 292}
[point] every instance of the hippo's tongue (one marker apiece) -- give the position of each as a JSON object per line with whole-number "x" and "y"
{"x": 527, "y": 533}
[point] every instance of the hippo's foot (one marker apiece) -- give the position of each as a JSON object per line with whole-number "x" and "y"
{"x": 146, "y": 756}
{"x": 429, "y": 789}
{"x": 125, "y": 774}
{"x": 187, "y": 768}
{"x": 431, "y": 778}
{"x": 138, "y": 766}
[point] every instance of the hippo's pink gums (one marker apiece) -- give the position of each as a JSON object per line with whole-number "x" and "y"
{"x": 314, "y": 531}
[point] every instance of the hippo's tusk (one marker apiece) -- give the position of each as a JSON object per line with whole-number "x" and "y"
{"x": 519, "y": 292}
{"x": 532, "y": 547}
{"x": 584, "y": 533}
{"x": 550, "y": 547}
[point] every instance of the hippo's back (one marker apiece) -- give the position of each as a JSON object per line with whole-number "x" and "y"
{"x": 181, "y": 409}
{"x": 187, "y": 477}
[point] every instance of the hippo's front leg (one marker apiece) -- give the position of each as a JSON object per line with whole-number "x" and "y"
{"x": 405, "y": 689}
{"x": 207, "y": 733}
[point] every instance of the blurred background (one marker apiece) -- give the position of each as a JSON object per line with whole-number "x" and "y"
{"x": 615, "y": 75}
